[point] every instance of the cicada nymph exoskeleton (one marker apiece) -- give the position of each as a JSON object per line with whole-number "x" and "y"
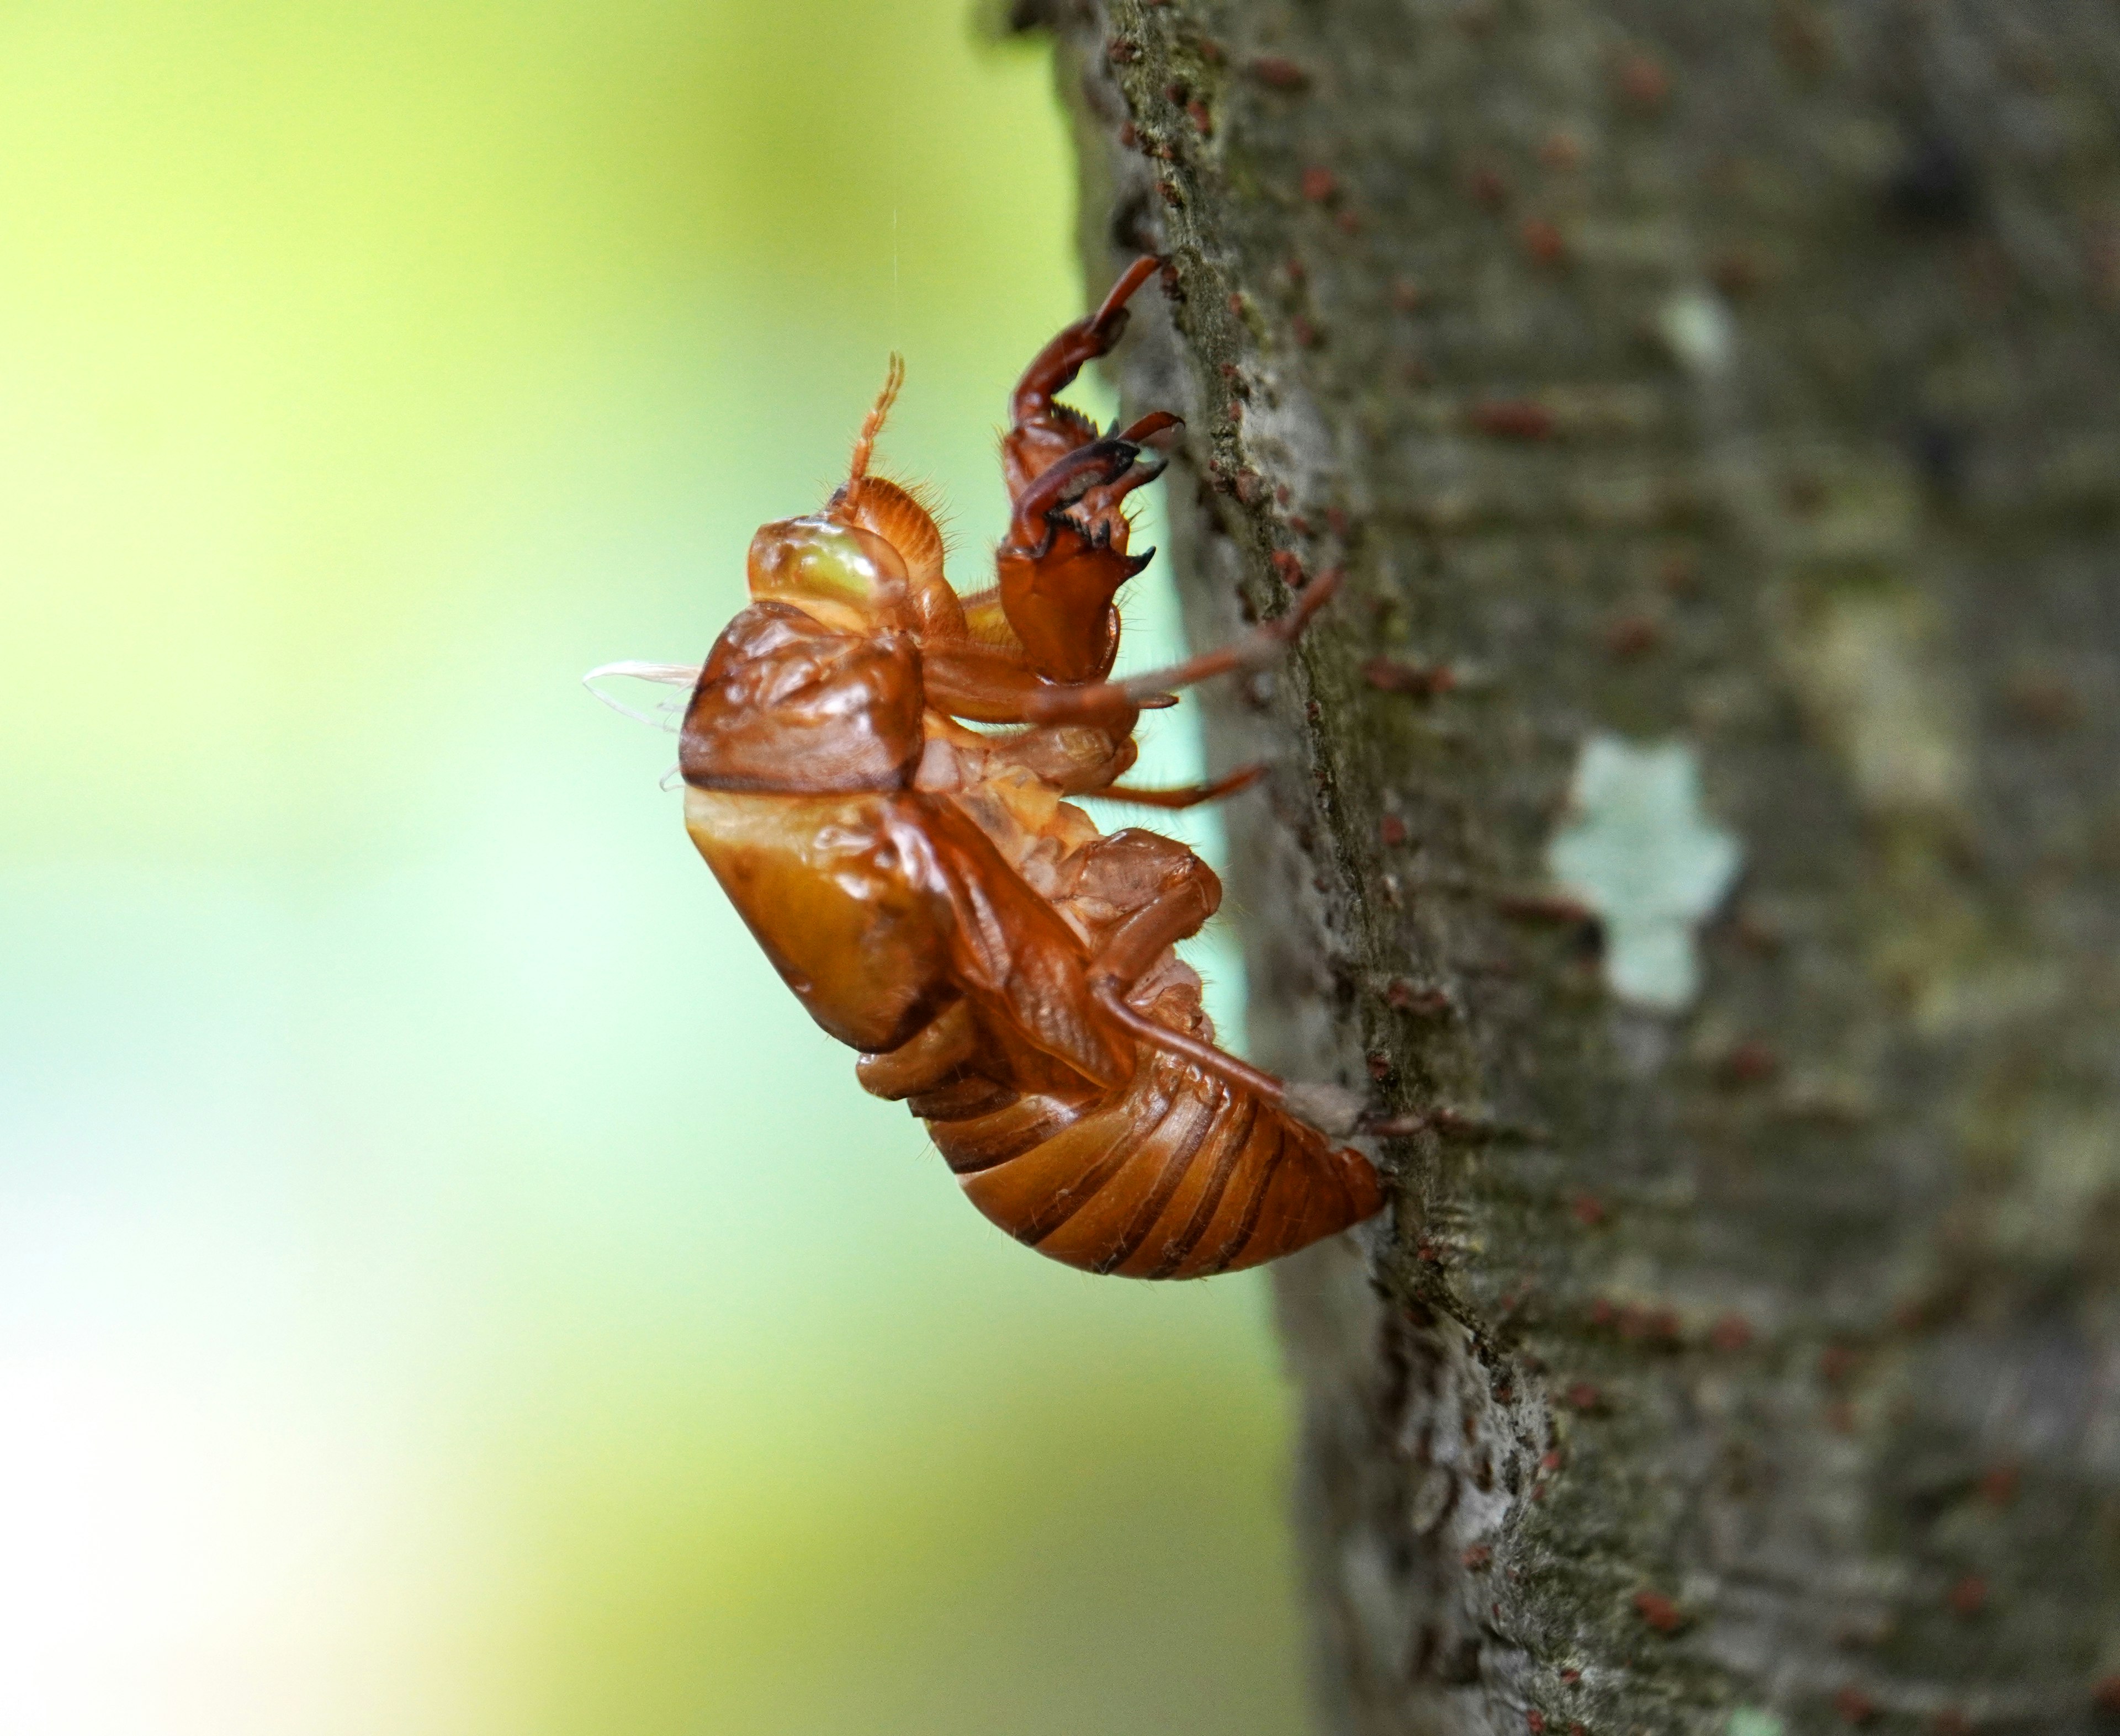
{"x": 935, "y": 902}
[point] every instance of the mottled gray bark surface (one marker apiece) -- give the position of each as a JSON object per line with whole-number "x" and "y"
{"x": 1743, "y": 376}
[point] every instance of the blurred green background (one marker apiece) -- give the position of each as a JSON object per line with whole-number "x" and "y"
{"x": 446, "y": 1285}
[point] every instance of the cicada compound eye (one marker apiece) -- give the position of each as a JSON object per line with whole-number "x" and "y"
{"x": 837, "y": 573}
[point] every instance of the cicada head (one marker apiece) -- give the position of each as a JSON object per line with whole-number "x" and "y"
{"x": 836, "y": 572}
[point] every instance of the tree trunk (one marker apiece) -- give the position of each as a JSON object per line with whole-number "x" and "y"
{"x": 1696, "y": 818}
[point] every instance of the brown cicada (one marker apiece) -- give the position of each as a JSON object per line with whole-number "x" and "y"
{"x": 935, "y": 902}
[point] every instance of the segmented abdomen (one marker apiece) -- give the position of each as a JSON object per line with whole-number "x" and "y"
{"x": 1177, "y": 1175}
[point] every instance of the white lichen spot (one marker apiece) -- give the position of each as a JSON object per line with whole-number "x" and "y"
{"x": 1866, "y": 669}
{"x": 1639, "y": 850}
{"x": 1749, "y": 1720}
{"x": 1696, "y": 326}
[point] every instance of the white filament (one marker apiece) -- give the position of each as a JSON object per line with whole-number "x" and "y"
{"x": 669, "y": 674}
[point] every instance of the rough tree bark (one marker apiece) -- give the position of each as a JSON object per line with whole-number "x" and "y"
{"x": 1739, "y": 376}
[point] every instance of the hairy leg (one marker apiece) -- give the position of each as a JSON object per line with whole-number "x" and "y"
{"x": 1184, "y": 795}
{"x": 1096, "y": 702}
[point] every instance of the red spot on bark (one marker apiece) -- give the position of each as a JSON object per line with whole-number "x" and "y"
{"x": 1203, "y": 123}
{"x": 1128, "y": 138}
{"x": 1543, "y": 241}
{"x": 1854, "y": 1706}
{"x": 1731, "y": 1334}
{"x": 1512, "y": 419}
{"x": 1571, "y": 1675}
{"x": 1549, "y": 1462}
{"x": 1476, "y": 1558}
{"x": 1750, "y": 1062}
{"x": 1968, "y": 1597}
{"x": 1649, "y": 1325}
{"x": 1678, "y": 572}
{"x": 1487, "y": 186}
{"x": 1631, "y": 635}
{"x": 1737, "y": 274}
{"x": 1545, "y": 907}
{"x": 1644, "y": 81}
{"x": 1380, "y": 1067}
{"x": 1121, "y": 51}
{"x": 1583, "y": 1396}
{"x": 1659, "y": 1611}
{"x": 1319, "y": 183}
{"x": 1277, "y": 73}
{"x": 1535, "y": 1722}
{"x": 1395, "y": 676}
{"x": 1392, "y": 829}
{"x": 1407, "y": 998}
{"x": 2040, "y": 699}
{"x": 1236, "y": 305}
{"x": 1288, "y": 568}
{"x": 1560, "y": 151}
{"x": 1250, "y": 486}
{"x": 1589, "y": 1210}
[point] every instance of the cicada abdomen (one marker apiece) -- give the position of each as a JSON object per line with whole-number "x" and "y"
{"x": 1177, "y": 1174}
{"x": 1193, "y": 1166}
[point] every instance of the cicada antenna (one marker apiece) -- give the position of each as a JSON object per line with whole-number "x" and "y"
{"x": 893, "y": 378}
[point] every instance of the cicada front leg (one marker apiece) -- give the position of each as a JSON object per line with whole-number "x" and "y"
{"x": 1042, "y": 430}
{"x": 1065, "y": 556}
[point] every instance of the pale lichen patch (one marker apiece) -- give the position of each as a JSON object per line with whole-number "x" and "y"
{"x": 1861, "y": 659}
{"x": 2074, "y": 1165}
{"x": 1640, "y": 851}
{"x": 1696, "y": 326}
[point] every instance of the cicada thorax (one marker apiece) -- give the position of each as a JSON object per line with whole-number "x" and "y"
{"x": 880, "y": 904}
{"x": 797, "y": 752}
